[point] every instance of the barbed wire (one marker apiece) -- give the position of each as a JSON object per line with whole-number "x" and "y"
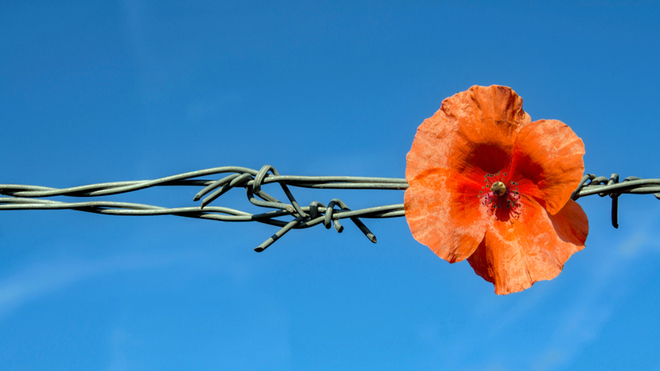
{"x": 29, "y": 197}
{"x": 602, "y": 186}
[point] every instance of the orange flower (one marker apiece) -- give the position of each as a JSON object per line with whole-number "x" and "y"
{"x": 490, "y": 186}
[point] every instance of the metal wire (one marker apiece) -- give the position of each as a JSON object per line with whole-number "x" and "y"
{"x": 602, "y": 186}
{"x": 28, "y": 197}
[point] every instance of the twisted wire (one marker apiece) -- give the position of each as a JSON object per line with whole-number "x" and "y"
{"x": 29, "y": 197}
{"x": 602, "y": 186}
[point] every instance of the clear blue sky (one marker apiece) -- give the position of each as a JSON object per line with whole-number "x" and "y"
{"x": 94, "y": 91}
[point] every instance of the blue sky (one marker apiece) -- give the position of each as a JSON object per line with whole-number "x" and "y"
{"x": 106, "y": 91}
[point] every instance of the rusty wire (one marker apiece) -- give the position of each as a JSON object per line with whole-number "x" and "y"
{"x": 29, "y": 197}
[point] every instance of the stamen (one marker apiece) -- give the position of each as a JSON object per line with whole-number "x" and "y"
{"x": 502, "y": 199}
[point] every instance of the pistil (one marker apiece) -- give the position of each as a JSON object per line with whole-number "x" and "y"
{"x": 498, "y": 188}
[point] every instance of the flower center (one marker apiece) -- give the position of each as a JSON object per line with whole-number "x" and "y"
{"x": 500, "y": 196}
{"x": 498, "y": 188}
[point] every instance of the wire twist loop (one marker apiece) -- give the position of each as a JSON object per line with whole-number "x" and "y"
{"x": 602, "y": 186}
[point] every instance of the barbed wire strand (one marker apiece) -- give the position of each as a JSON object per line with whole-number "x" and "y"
{"x": 602, "y": 186}
{"x": 30, "y": 197}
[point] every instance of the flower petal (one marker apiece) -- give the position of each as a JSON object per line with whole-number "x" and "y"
{"x": 534, "y": 247}
{"x": 548, "y": 154}
{"x": 473, "y": 130}
{"x": 444, "y": 212}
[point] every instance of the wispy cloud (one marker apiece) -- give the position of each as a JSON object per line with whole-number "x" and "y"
{"x": 43, "y": 278}
{"x": 602, "y": 292}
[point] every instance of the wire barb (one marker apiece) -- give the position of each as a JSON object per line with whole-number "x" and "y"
{"x": 29, "y": 197}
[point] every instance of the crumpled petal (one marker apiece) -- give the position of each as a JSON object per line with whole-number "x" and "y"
{"x": 513, "y": 256}
{"x": 487, "y": 115}
{"x": 443, "y": 212}
{"x": 549, "y": 154}
{"x": 473, "y": 130}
